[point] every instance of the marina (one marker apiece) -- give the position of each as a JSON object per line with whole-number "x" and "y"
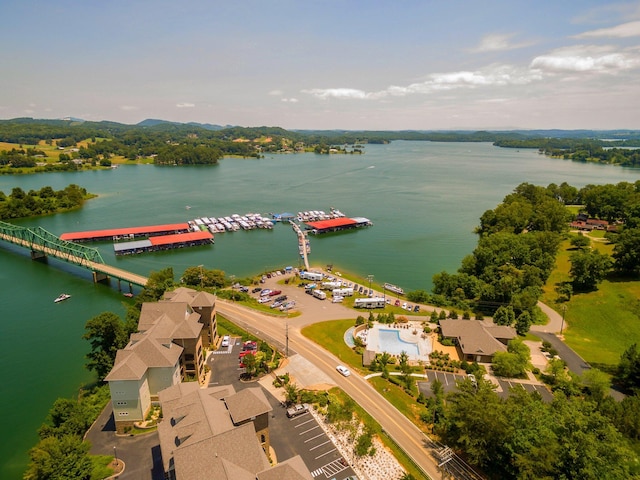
{"x": 232, "y": 223}
{"x": 201, "y": 231}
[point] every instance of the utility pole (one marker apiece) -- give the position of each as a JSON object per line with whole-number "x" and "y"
{"x": 370, "y": 277}
{"x": 286, "y": 336}
{"x": 564, "y": 309}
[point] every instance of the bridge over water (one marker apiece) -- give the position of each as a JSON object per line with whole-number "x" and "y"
{"x": 43, "y": 243}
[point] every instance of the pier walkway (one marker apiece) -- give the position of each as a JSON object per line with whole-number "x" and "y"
{"x": 43, "y": 243}
{"x": 302, "y": 241}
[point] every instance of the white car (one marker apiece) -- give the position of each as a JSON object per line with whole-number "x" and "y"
{"x": 344, "y": 371}
{"x": 337, "y": 299}
{"x": 404, "y": 306}
{"x": 225, "y": 341}
{"x": 265, "y": 292}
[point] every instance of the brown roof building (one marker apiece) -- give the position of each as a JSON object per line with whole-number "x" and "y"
{"x": 476, "y": 340}
{"x": 199, "y": 439}
{"x": 167, "y": 349}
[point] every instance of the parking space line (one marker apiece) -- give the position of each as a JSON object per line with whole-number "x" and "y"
{"x": 304, "y": 423}
{"x": 320, "y": 445}
{"x": 327, "y": 453}
{"x": 307, "y": 431}
{"x": 313, "y": 438}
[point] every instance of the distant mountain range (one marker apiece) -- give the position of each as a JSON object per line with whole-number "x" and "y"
{"x": 372, "y": 135}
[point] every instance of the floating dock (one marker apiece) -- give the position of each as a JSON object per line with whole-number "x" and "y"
{"x": 164, "y": 242}
{"x": 337, "y": 225}
{"x": 117, "y": 234}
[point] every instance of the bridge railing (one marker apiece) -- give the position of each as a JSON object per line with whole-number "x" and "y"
{"x": 40, "y": 240}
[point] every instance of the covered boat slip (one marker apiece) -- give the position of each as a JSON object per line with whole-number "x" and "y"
{"x": 126, "y": 233}
{"x": 164, "y": 242}
{"x": 337, "y": 224}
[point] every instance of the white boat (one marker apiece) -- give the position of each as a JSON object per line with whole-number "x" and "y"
{"x": 62, "y": 297}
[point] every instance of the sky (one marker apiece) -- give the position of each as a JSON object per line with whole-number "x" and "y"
{"x": 325, "y": 64}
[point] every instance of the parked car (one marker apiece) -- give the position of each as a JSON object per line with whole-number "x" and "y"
{"x": 244, "y": 289}
{"x": 281, "y": 298}
{"x": 225, "y": 341}
{"x": 265, "y": 299}
{"x": 256, "y": 290}
{"x": 397, "y": 304}
{"x": 276, "y": 304}
{"x": 337, "y": 299}
{"x": 404, "y": 306}
{"x": 409, "y": 307}
{"x": 265, "y": 292}
{"x": 344, "y": 371}
{"x": 416, "y": 308}
{"x": 297, "y": 410}
{"x": 273, "y": 293}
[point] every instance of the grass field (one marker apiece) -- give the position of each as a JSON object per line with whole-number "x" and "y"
{"x": 600, "y": 325}
{"x": 330, "y": 336}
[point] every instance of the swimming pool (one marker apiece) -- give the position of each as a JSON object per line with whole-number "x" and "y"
{"x": 389, "y": 341}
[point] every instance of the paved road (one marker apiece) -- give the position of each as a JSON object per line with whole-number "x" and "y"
{"x": 402, "y": 430}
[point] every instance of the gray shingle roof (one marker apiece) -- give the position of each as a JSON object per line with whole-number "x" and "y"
{"x": 291, "y": 469}
{"x": 142, "y": 353}
{"x": 247, "y": 404}
{"x": 475, "y": 337}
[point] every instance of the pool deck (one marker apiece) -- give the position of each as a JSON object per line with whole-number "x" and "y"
{"x": 424, "y": 342}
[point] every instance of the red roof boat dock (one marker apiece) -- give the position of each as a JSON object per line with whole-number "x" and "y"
{"x": 337, "y": 224}
{"x": 164, "y": 242}
{"x": 117, "y": 234}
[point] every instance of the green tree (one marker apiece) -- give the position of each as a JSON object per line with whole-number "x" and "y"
{"x": 66, "y": 417}
{"x": 291, "y": 393}
{"x": 588, "y": 269}
{"x": 523, "y": 323}
{"x": 59, "y": 459}
{"x": 626, "y": 252}
{"x": 597, "y": 383}
{"x": 580, "y": 241}
{"x": 504, "y": 316}
{"x": 250, "y": 366}
{"x": 106, "y": 334}
{"x": 628, "y": 373}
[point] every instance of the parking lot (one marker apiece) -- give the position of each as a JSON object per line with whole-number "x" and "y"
{"x": 448, "y": 381}
{"x": 506, "y": 385}
{"x": 301, "y": 435}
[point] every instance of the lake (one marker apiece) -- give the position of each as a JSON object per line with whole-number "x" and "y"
{"x": 424, "y": 200}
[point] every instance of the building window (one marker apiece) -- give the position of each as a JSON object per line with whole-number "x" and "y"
{"x": 123, "y": 414}
{"x": 121, "y": 403}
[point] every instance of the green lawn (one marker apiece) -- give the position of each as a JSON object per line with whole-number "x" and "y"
{"x": 601, "y": 324}
{"x": 330, "y": 336}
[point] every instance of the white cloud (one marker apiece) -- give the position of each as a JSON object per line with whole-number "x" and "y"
{"x": 497, "y": 42}
{"x": 185, "y": 105}
{"x": 585, "y": 58}
{"x": 625, "y": 30}
{"x": 494, "y": 75}
{"x": 128, "y": 108}
{"x": 344, "y": 93}
{"x": 289, "y": 100}
{"x": 276, "y": 93}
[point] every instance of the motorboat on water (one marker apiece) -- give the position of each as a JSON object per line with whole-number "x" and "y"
{"x": 62, "y": 297}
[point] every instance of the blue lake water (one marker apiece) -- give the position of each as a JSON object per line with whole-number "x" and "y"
{"x": 424, "y": 199}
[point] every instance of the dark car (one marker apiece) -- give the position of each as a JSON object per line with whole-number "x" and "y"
{"x": 256, "y": 290}
{"x": 416, "y": 308}
{"x": 244, "y": 289}
{"x": 281, "y": 298}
